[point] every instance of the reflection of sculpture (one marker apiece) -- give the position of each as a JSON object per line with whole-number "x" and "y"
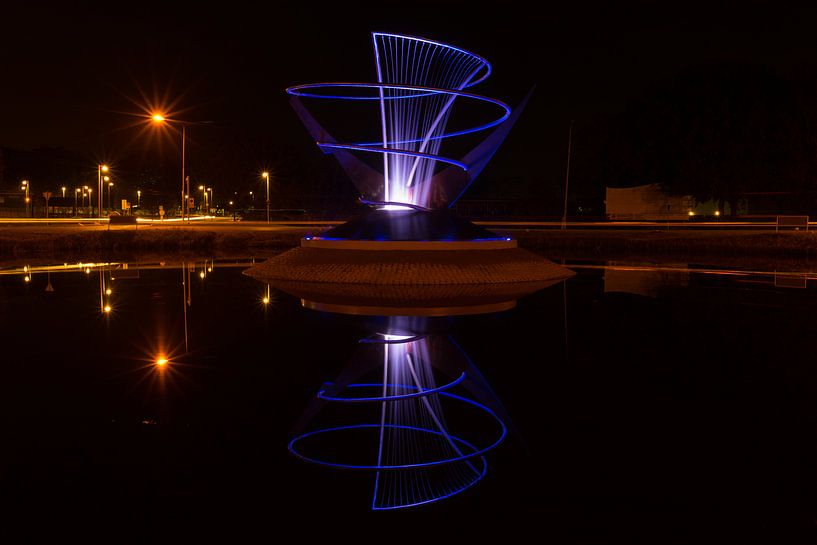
{"x": 394, "y": 412}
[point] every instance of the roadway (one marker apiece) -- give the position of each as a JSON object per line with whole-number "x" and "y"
{"x": 211, "y": 223}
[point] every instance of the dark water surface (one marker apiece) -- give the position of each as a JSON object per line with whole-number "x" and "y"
{"x": 661, "y": 402}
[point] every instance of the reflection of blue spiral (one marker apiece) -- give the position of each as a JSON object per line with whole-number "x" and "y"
{"x": 423, "y": 442}
{"x": 418, "y": 81}
{"x": 472, "y": 450}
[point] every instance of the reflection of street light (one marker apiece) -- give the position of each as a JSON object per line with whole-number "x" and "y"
{"x": 265, "y": 175}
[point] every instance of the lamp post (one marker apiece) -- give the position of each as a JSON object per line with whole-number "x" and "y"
{"x": 203, "y": 199}
{"x": 110, "y": 188}
{"x": 26, "y": 187}
{"x": 159, "y": 119}
{"x": 138, "y": 198}
{"x": 99, "y": 170}
{"x": 210, "y": 200}
{"x": 63, "y": 191}
{"x": 76, "y": 195}
{"x": 90, "y": 201}
{"x": 265, "y": 175}
{"x": 567, "y": 173}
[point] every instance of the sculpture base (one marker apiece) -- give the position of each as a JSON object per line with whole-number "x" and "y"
{"x": 417, "y": 271}
{"x": 408, "y": 230}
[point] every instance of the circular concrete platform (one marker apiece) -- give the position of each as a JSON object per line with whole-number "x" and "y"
{"x": 416, "y": 268}
{"x": 407, "y": 245}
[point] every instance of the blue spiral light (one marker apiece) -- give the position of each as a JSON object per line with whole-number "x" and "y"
{"x": 418, "y": 83}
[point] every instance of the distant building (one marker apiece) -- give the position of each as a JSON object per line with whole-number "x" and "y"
{"x": 646, "y": 202}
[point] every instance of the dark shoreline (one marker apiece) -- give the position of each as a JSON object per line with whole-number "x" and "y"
{"x": 797, "y": 249}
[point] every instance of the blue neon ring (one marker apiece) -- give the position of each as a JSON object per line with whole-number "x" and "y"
{"x": 420, "y": 393}
{"x": 390, "y": 151}
{"x": 296, "y": 91}
{"x": 479, "y": 452}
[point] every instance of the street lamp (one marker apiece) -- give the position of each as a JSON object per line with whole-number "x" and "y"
{"x": 265, "y": 175}
{"x": 99, "y": 170}
{"x": 76, "y": 194}
{"x": 90, "y": 202}
{"x": 210, "y": 200}
{"x": 159, "y": 118}
{"x": 63, "y": 191}
{"x": 110, "y": 188}
{"x": 139, "y": 198}
{"x": 26, "y": 187}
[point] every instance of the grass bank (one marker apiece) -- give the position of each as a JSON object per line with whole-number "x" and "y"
{"x": 96, "y": 242}
{"x": 99, "y": 243}
{"x": 685, "y": 245}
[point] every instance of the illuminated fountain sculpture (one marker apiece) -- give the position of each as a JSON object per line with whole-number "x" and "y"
{"x": 406, "y": 178}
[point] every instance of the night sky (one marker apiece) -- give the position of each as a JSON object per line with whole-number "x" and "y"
{"x": 72, "y": 71}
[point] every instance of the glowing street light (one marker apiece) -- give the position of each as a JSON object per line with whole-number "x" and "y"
{"x": 204, "y": 199}
{"x": 159, "y": 118}
{"x": 107, "y": 309}
{"x": 139, "y": 198}
{"x": 161, "y": 361}
{"x": 26, "y": 187}
{"x": 265, "y": 175}
{"x": 110, "y": 188}
{"x": 63, "y": 191}
{"x": 99, "y": 170}
{"x": 76, "y": 197}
